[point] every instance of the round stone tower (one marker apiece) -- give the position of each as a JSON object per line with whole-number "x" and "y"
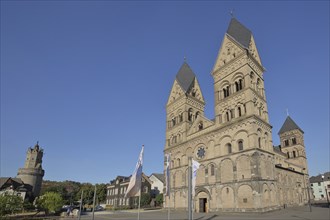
{"x": 32, "y": 173}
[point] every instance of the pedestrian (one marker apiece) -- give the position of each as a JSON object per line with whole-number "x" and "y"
{"x": 68, "y": 211}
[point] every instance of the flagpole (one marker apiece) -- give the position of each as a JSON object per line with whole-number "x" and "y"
{"x": 140, "y": 188}
{"x": 94, "y": 201}
{"x": 139, "y": 205}
{"x": 168, "y": 207}
{"x": 189, "y": 188}
{"x": 167, "y": 175}
{"x": 81, "y": 200}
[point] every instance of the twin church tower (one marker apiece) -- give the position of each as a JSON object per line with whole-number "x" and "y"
{"x": 240, "y": 168}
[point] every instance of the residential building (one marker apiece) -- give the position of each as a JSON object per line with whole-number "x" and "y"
{"x": 240, "y": 170}
{"x": 157, "y": 184}
{"x": 15, "y": 186}
{"x": 117, "y": 188}
{"x": 320, "y": 185}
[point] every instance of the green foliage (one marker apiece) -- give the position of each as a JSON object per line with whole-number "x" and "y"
{"x": 88, "y": 194}
{"x": 101, "y": 192}
{"x": 28, "y": 206}
{"x": 70, "y": 191}
{"x": 10, "y": 204}
{"x": 145, "y": 199}
{"x": 50, "y": 202}
{"x": 159, "y": 199}
{"x": 67, "y": 189}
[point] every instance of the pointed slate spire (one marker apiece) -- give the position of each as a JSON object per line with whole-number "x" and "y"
{"x": 289, "y": 125}
{"x": 185, "y": 77}
{"x": 239, "y": 32}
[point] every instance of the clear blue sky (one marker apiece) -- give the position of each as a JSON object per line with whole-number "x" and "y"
{"x": 90, "y": 80}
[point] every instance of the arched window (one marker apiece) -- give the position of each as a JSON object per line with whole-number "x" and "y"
{"x": 190, "y": 114}
{"x": 259, "y": 142}
{"x": 294, "y": 154}
{"x": 286, "y": 142}
{"x": 258, "y": 84}
{"x": 239, "y": 111}
{"x": 200, "y": 126}
{"x": 239, "y": 85}
{"x": 180, "y": 117}
{"x": 178, "y": 162}
{"x": 173, "y": 121}
{"x": 229, "y": 148}
{"x": 240, "y": 145}
{"x": 288, "y": 154}
{"x": 212, "y": 169}
{"x": 226, "y": 91}
{"x": 294, "y": 141}
{"x": 227, "y": 116}
{"x": 197, "y": 113}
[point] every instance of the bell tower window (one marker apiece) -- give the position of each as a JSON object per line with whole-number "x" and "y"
{"x": 239, "y": 111}
{"x": 226, "y": 91}
{"x": 190, "y": 114}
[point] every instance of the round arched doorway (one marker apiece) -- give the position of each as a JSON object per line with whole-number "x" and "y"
{"x": 202, "y": 201}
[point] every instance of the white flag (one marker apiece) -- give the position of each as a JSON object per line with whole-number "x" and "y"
{"x": 167, "y": 174}
{"x": 134, "y": 185}
{"x": 195, "y": 166}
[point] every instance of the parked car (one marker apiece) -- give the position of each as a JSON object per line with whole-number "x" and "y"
{"x": 99, "y": 208}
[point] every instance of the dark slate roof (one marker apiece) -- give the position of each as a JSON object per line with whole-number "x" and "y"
{"x": 15, "y": 182}
{"x": 239, "y": 32}
{"x": 159, "y": 176}
{"x": 318, "y": 178}
{"x": 289, "y": 125}
{"x": 185, "y": 77}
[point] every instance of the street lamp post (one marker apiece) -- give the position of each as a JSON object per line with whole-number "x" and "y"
{"x": 308, "y": 194}
{"x": 326, "y": 192}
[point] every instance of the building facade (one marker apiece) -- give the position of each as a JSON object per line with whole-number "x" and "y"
{"x": 157, "y": 184}
{"x": 116, "y": 192}
{"x": 320, "y": 185}
{"x": 15, "y": 186}
{"x": 240, "y": 169}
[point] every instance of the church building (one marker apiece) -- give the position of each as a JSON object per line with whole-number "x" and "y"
{"x": 240, "y": 168}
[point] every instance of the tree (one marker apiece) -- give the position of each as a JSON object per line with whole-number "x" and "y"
{"x": 101, "y": 192}
{"x": 88, "y": 194}
{"x": 159, "y": 199}
{"x": 50, "y": 202}
{"x": 10, "y": 204}
{"x": 145, "y": 199}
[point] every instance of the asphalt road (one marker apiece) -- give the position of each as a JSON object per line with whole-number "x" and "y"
{"x": 297, "y": 213}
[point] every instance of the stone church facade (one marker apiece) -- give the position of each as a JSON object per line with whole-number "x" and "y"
{"x": 240, "y": 168}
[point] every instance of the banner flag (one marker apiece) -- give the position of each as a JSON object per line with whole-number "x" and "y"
{"x": 167, "y": 174}
{"x": 134, "y": 185}
{"x": 195, "y": 166}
